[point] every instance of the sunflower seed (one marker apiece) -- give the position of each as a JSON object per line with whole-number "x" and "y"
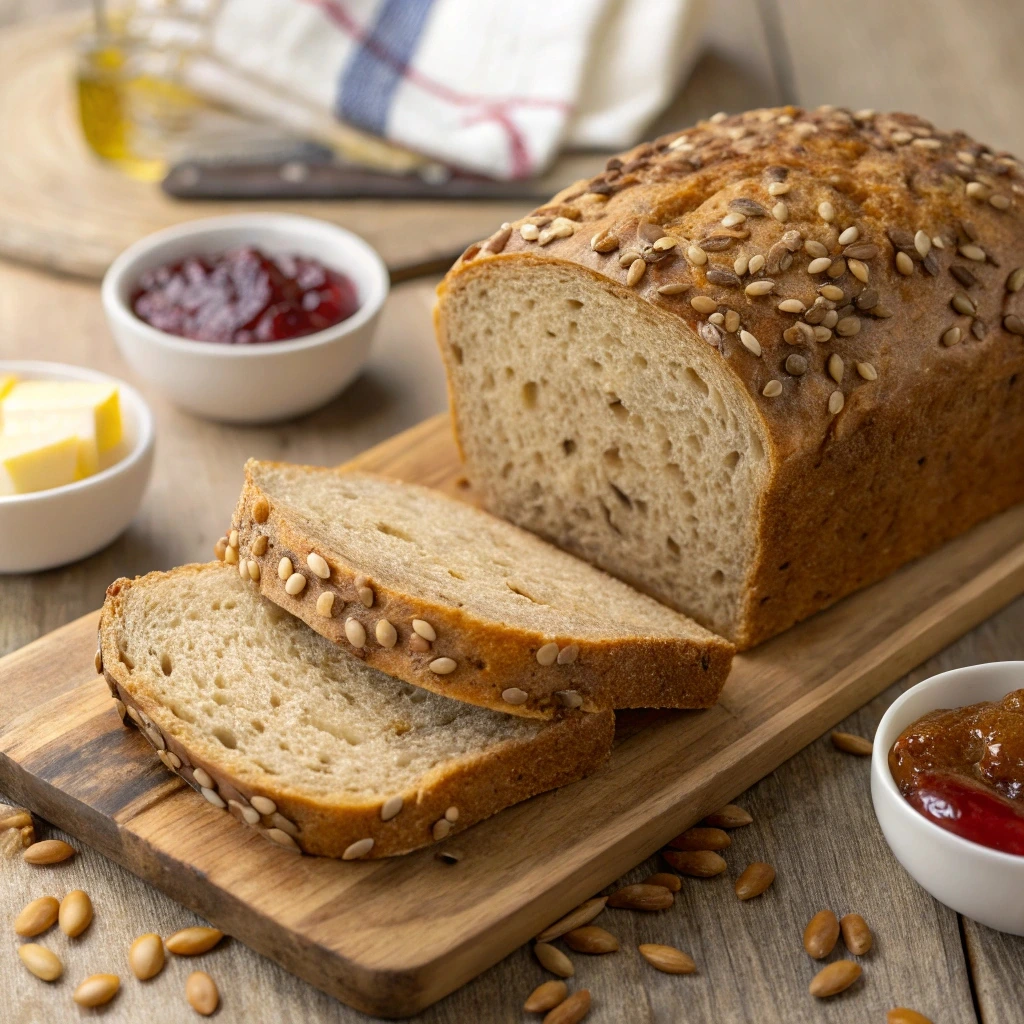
{"x": 963, "y": 275}
{"x": 664, "y": 244}
{"x": 750, "y": 343}
{"x": 726, "y": 278}
{"x": 360, "y": 848}
{"x": 837, "y": 268}
{"x": 978, "y": 329}
{"x": 636, "y": 271}
{"x": 604, "y": 241}
{"x": 628, "y": 258}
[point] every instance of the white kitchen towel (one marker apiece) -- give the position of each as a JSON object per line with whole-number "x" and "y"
{"x": 491, "y": 87}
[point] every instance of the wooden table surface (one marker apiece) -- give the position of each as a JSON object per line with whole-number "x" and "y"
{"x": 957, "y": 61}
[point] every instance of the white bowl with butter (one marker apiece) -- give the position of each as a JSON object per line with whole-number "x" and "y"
{"x": 42, "y": 529}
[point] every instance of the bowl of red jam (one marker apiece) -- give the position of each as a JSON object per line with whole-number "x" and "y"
{"x": 947, "y": 783}
{"x": 250, "y": 318}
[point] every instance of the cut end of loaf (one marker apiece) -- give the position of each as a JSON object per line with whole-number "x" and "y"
{"x": 656, "y": 473}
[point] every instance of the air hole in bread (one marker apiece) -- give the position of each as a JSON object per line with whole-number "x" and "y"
{"x": 621, "y": 495}
{"x": 672, "y": 546}
{"x": 275, "y": 700}
{"x": 618, "y": 409}
{"x": 639, "y": 360}
{"x": 731, "y": 459}
{"x": 257, "y": 724}
{"x": 697, "y": 381}
{"x": 457, "y": 354}
{"x": 165, "y": 664}
{"x": 225, "y": 737}
{"x": 574, "y": 303}
{"x": 394, "y": 531}
{"x": 518, "y": 588}
{"x": 718, "y": 577}
{"x": 456, "y": 575}
{"x": 529, "y": 394}
{"x": 221, "y": 698}
{"x": 612, "y": 458}
{"x": 568, "y": 446}
{"x": 218, "y": 678}
{"x": 550, "y": 333}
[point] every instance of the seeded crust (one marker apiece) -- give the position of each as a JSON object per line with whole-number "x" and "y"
{"x": 630, "y": 652}
{"x": 891, "y": 421}
{"x": 524, "y": 757}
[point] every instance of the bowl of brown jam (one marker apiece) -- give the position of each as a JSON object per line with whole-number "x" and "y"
{"x": 947, "y": 782}
{"x": 249, "y": 318}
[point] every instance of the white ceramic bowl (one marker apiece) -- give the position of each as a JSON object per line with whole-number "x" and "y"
{"x": 983, "y": 884}
{"x": 45, "y": 529}
{"x": 257, "y": 383}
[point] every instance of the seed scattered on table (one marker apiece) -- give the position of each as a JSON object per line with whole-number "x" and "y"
{"x": 193, "y": 941}
{"x": 666, "y": 880}
{"x": 40, "y": 961}
{"x": 591, "y": 939}
{"x": 856, "y": 934}
{"x": 821, "y": 934}
{"x": 730, "y": 816}
{"x": 849, "y": 743}
{"x": 756, "y": 878}
{"x": 834, "y": 978}
{"x": 146, "y": 956}
{"x": 546, "y": 996}
{"x": 667, "y": 958}
{"x": 49, "y": 851}
{"x": 583, "y": 914}
{"x": 97, "y": 990}
{"x": 696, "y": 863}
{"x": 572, "y": 1011}
{"x": 75, "y": 913}
{"x": 642, "y": 897}
{"x": 552, "y": 959}
{"x": 36, "y": 917}
{"x": 701, "y": 838}
{"x": 201, "y": 993}
{"x": 904, "y": 1015}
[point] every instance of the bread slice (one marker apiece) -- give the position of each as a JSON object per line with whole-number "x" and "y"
{"x": 313, "y": 748}
{"x": 441, "y": 594}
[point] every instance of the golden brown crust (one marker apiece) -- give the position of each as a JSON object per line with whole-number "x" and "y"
{"x": 897, "y": 425}
{"x": 515, "y": 770}
{"x": 490, "y": 660}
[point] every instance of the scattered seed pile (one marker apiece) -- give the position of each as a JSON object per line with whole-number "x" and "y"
{"x": 673, "y": 368}
{"x": 74, "y": 914}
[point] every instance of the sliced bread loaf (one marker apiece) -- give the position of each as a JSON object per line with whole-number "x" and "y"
{"x": 315, "y": 749}
{"x": 441, "y": 594}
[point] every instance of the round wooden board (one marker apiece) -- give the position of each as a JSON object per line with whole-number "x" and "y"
{"x": 63, "y": 209}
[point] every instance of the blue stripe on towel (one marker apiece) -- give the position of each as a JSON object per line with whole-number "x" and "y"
{"x": 368, "y": 82}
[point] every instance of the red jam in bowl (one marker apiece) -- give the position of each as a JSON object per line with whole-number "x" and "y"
{"x": 963, "y": 768}
{"x": 243, "y": 297}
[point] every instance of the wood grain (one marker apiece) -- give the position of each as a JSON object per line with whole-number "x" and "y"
{"x": 345, "y": 927}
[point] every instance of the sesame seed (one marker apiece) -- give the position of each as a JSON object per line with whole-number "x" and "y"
{"x": 780, "y": 211}
{"x": 859, "y": 270}
{"x": 442, "y": 666}
{"x": 798, "y": 334}
{"x": 831, "y": 318}
{"x": 978, "y": 329}
{"x": 355, "y": 632}
{"x": 972, "y": 252}
{"x": 849, "y": 236}
{"x": 832, "y": 292}
{"x": 881, "y": 311}
{"x": 717, "y": 319}
{"x": 732, "y": 321}
{"x": 513, "y": 695}
{"x": 904, "y": 264}
{"x": 424, "y": 629}
{"x": 927, "y": 143}
{"x": 815, "y": 249}
{"x": 836, "y": 401}
{"x": 822, "y": 334}
{"x": 756, "y": 265}
{"x": 391, "y": 808}
{"x": 867, "y": 371}
{"x": 318, "y": 564}
{"x": 441, "y": 829}
{"x": 1014, "y": 324}
{"x": 901, "y": 138}
{"x": 569, "y": 698}
{"x": 386, "y": 634}
{"x": 730, "y": 220}
{"x": 718, "y": 118}
{"x": 360, "y": 848}
{"x": 547, "y": 654}
{"x": 976, "y": 190}
{"x": 664, "y": 244}
{"x": 848, "y": 326}
{"x": 837, "y": 268}
{"x": 325, "y": 604}
{"x": 819, "y": 265}
{"x": 696, "y": 255}
{"x": 791, "y": 306}
{"x": 750, "y": 343}
{"x": 938, "y": 242}
{"x": 295, "y": 584}
{"x": 827, "y": 212}
{"x": 835, "y": 367}
{"x": 635, "y": 272}
{"x": 530, "y": 232}
{"x": 779, "y": 188}
{"x": 761, "y": 287}
{"x": 796, "y": 365}
{"x": 703, "y": 304}
{"x": 1015, "y": 281}
{"x": 772, "y": 389}
{"x": 673, "y": 288}
{"x": 962, "y": 304}
{"x": 560, "y": 227}
{"x": 952, "y": 337}
{"x": 741, "y": 265}
{"x": 922, "y": 243}
{"x": 1000, "y": 202}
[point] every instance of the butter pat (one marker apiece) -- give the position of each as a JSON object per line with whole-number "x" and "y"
{"x": 91, "y": 412}
{"x": 7, "y": 381}
{"x": 37, "y": 462}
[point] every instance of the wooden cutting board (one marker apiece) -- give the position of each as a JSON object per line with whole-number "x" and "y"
{"x": 390, "y": 937}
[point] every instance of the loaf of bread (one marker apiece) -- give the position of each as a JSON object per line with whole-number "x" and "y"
{"x": 311, "y": 747}
{"x": 440, "y": 594}
{"x": 752, "y": 366}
